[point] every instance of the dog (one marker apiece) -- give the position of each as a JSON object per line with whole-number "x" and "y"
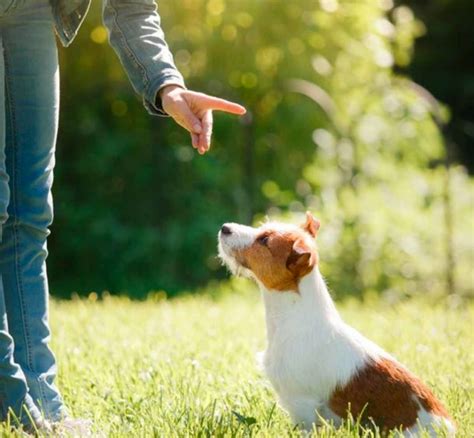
{"x": 321, "y": 368}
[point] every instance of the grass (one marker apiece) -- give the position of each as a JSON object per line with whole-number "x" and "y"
{"x": 186, "y": 367}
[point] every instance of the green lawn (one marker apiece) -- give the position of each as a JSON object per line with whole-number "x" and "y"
{"x": 186, "y": 367}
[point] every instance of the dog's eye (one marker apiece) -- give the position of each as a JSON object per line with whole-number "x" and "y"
{"x": 263, "y": 240}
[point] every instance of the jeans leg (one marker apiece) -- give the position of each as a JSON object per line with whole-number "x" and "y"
{"x": 13, "y": 387}
{"x": 32, "y": 84}
{"x": 14, "y": 396}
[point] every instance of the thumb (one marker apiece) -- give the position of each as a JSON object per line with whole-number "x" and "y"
{"x": 186, "y": 118}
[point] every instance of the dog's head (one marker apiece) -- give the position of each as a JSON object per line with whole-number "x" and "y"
{"x": 276, "y": 255}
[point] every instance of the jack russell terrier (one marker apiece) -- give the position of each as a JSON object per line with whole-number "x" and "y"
{"x": 320, "y": 367}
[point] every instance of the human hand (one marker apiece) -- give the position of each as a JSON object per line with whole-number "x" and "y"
{"x": 193, "y": 111}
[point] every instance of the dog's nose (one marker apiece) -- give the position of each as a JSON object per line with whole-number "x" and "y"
{"x": 226, "y": 230}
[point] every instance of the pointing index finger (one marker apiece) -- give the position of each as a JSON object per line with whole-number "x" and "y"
{"x": 218, "y": 104}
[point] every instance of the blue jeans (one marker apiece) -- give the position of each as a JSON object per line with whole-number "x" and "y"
{"x": 29, "y": 104}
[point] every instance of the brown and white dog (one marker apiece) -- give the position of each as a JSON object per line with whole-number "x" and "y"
{"x": 319, "y": 366}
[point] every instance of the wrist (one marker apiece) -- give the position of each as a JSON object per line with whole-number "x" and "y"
{"x": 165, "y": 94}
{"x": 167, "y": 89}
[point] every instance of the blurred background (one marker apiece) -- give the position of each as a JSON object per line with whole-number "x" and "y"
{"x": 360, "y": 111}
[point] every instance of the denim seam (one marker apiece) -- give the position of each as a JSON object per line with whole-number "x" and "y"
{"x": 3, "y": 396}
{"x": 10, "y": 7}
{"x": 128, "y": 50}
{"x": 16, "y": 223}
{"x": 13, "y": 194}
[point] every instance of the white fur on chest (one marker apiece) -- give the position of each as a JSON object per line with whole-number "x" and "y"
{"x": 310, "y": 349}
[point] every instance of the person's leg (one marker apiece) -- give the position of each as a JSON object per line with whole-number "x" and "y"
{"x": 32, "y": 90}
{"x": 13, "y": 388}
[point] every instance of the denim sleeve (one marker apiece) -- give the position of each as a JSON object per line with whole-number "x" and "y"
{"x": 136, "y": 35}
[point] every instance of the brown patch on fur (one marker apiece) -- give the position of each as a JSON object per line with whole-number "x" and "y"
{"x": 387, "y": 394}
{"x": 279, "y": 261}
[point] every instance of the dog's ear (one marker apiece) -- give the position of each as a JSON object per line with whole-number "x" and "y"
{"x": 300, "y": 257}
{"x": 311, "y": 225}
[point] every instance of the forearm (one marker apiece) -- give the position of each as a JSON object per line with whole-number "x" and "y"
{"x": 136, "y": 36}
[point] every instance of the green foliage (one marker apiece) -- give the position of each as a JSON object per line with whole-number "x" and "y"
{"x": 186, "y": 367}
{"x": 137, "y": 209}
{"x": 444, "y": 65}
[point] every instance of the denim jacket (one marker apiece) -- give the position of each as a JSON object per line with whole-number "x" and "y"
{"x": 135, "y": 34}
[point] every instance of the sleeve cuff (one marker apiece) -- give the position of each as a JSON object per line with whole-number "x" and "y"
{"x": 152, "y": 100}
